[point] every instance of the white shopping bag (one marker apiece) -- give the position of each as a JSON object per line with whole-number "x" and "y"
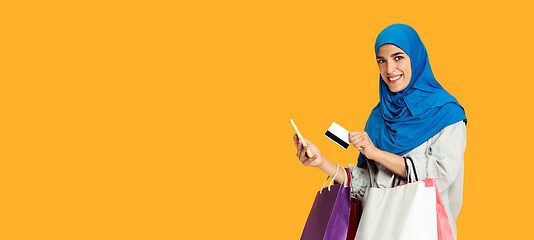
{"x": 412, "y": 211}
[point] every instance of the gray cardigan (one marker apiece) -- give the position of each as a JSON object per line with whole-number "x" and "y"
{"x": 441, "y": 158}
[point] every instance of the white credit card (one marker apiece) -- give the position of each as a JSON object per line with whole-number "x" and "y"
{"x": 339, "y": 135}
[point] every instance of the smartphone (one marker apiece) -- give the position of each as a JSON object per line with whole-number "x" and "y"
{"x": 308, "y": 153}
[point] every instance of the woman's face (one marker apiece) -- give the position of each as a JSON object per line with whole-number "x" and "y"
{"x": 395, "y": 67}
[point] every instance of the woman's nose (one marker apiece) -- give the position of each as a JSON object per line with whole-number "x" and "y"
{"x": 390, "y": 68}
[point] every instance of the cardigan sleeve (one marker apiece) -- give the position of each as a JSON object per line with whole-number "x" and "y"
{"x": 360, "y": 181}
{"x": 442, "y": 158}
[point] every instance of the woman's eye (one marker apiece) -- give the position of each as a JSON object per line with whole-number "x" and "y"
{"x": 379, "y": 60}
{"x": 397, "y": 58}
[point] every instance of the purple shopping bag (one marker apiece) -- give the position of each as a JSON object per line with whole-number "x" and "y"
{"x": 329, "y": 216}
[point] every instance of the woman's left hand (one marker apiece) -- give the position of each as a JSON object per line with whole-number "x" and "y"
{"x": 362, "y": 142}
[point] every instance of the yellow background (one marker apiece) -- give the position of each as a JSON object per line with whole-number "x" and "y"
{"x": 169, "y": 119}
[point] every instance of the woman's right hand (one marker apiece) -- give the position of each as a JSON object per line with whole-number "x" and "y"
{"x": 316, "y": 160}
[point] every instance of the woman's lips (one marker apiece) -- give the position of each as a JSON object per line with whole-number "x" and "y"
{"x": 394, "y": 78}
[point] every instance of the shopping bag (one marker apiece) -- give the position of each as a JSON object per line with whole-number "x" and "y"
{"x": 329, "y": 215}
{"x": 355, "y": 213}
{"x": 411, "y": 211}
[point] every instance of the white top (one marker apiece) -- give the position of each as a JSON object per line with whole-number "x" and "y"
{"x": 441, "y": 158}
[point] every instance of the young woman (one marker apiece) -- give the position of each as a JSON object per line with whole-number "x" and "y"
{"x": 416, "y": 126}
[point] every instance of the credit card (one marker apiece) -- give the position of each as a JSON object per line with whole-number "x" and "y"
{"x": 339, "y": 135}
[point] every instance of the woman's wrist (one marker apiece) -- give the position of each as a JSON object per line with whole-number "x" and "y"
{"x": 327, "y": 167}
{"x": 324, "y": 163}
{"x": 330, "y": 169}
{"x": 375, "y": 155}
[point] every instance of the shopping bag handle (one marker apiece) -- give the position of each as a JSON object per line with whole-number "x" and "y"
{"x": 392, "y": 181}
{"x": 411, "y": 173}
{"x": 412, "y": 176}
{"x": 333, "y": 178}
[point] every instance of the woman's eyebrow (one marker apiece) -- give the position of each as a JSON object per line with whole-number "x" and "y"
{"x": 392, "y": 55}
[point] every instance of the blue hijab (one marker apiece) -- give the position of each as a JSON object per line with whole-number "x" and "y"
{"x": 404, "y": 120}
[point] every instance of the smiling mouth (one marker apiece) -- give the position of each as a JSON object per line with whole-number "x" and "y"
{"x": 395, "y": 78}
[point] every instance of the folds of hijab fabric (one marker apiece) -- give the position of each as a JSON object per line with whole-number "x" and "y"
{"x": 404, "y": 120}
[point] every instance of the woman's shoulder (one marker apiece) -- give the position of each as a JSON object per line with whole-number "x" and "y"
{"x": 458, "y": 126}
{"x": 452, "y": 132}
